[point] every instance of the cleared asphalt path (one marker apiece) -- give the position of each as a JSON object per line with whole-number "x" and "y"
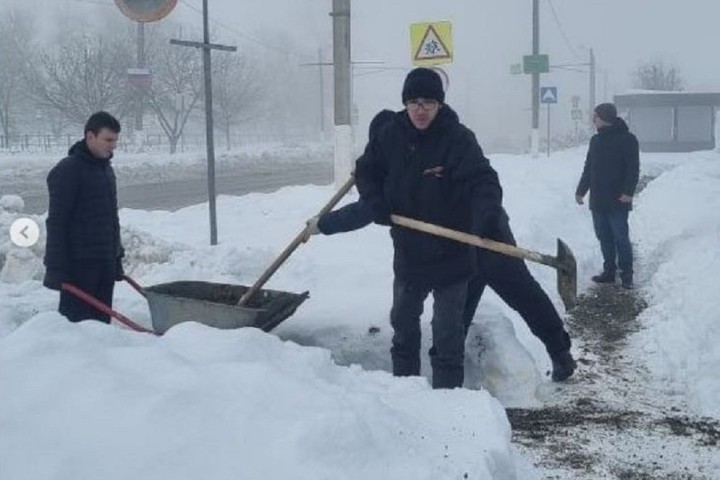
{"x": 175, "y": 194}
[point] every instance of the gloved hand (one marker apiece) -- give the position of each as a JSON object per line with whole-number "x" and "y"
{"x": 54, "y": 278}
{"x": 311, "y": 228}
{"x": 312, "y": 225}
{"x": 119, "y": 271}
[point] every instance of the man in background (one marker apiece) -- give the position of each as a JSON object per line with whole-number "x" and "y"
{"x": 612, "y": 169}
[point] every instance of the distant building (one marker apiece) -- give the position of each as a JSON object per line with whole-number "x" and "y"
{"x": 671, "y": 121}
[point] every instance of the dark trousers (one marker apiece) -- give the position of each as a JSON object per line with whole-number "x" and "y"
{"x": 95, "y": 278}
{"x": 447, "y": 354}
{"x": 611, "y": 229}
{"x": 510, "y": 278}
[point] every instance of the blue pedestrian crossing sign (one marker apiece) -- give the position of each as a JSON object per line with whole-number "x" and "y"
{"x": 548, "y": 95}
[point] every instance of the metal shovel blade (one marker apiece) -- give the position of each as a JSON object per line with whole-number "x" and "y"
{"x": 566, "y": 275}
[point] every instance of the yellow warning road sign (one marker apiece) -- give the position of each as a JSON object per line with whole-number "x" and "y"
{"x": 431, "y": 43}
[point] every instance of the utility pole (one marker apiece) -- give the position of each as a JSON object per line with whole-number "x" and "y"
{"x": 140, "y": 92}
{"x": 592, "y": 99}
{"x": 206, "y": 46}
{"x": 321, "y": 74}
{"x": 535, "y": 135}
{"x": 605, "y": 86}
{"x": 343, "y": 91}
{"x": 209, "y": 126}
{"x": 322, "y": 93}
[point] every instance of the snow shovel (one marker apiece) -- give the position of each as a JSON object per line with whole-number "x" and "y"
{"x": 297, "y": 241}
{"x": 564, "y": 262}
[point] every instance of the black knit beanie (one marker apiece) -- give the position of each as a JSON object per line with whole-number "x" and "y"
{"x": 607, "y": 112}
{"x": 423, "y": 83}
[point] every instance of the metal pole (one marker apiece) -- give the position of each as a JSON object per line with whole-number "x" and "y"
{"x": 209, "y": 139}
{"x": 605, "y": 86}
{"x": 343, "y": 90}
{"x": 592, "y": 99}
{"x": 548, "y": 131}
{"x": 140, "y": 91}
{"x": 322, "y": 94}
{"x": 576, "y": 133}
{"x": 535, "y": 138}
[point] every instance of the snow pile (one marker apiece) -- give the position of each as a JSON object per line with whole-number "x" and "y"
{"x": 677, "y": 227}
{"x": 12, "y": 204}
{"x": 94, "y": 402}
{"x": 144, "y": 252}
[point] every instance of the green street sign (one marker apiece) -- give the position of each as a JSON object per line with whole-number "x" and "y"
{"x": 536, "y": 63}
{"x": 516, "y": 69}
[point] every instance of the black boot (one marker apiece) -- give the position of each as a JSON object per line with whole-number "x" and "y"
{"x": 604, "y": 277}
{"x": 563, "y": 366}
{"x": 626, "y": 279}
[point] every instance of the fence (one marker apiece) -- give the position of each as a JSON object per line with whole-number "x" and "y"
{"x": 48, "y": 143}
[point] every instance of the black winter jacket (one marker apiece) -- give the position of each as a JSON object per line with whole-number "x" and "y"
{"x": 82, "y": 222}
{"x": 438, "y": 175}
{"x": 612, "y": 168}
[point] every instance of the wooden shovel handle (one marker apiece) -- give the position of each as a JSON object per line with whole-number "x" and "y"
{"x": 499, "y": 247}
{"x": 297, "y": 241}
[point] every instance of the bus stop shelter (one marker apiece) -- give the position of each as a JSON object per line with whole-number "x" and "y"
{"x": 671, "y": 121}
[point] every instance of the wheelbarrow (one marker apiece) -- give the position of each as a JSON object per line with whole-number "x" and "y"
{"x": 212, "y": 304}
{"x": 215, "y": 304}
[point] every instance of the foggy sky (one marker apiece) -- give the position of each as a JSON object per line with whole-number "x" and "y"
{"x": 489, "y": 35}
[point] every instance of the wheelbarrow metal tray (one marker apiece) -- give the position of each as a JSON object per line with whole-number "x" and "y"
{"x": 215, "y": 305}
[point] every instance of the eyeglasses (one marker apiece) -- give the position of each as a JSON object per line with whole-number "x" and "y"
{"x": 422, "y": 103}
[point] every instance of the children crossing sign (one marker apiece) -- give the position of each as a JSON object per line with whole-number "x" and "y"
{"x": 431, "y": 43}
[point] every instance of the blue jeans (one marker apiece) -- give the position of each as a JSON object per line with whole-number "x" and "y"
{"x": 611, "y": 228}
{"x": 447, "y": 355}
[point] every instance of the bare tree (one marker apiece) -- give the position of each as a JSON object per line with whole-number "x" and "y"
{"x": 87, "y": 72}
{"x": 15, "y": 50}
{"x": 176, "y": 86}
{"x": 655, "y": 75}
{"x": 238, "y": 90}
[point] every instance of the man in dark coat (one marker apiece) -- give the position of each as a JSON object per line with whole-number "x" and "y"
{"x": 83, "y": 231}
{"x": 611, "y": 174}
{"x": 509, "y": 277}
{"x": 426, "y": 165}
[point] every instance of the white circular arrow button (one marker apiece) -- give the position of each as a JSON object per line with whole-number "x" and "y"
{"x": 24, "y": 232}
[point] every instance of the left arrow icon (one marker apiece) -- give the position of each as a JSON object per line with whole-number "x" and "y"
{"x": 24, "y": 232}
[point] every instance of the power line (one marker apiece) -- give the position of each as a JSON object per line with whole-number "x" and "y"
{"x": 243, "y": 34}
{"x": 95, "y": 2}
{"x": 562, "y": 30}
{"x": 109, "y": 3}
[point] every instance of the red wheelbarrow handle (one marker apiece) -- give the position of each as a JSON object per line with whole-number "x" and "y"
{"x": 135, "y": 285}
{"x": 95, "y": 303}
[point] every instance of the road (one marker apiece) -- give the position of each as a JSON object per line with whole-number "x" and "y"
{"x": 179, "y": 193}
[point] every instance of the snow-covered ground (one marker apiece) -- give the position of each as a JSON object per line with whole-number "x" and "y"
{"x": 88, "y": 401}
